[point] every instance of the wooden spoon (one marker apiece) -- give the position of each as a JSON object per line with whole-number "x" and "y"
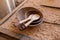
{"x": 34, "y": 17}
{"x": 26, "y": 19}
{"x": 21, "y": 23}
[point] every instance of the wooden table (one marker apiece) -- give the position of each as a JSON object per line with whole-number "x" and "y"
{"x": 45, "y": 31}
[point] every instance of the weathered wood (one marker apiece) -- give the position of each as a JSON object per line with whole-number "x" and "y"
{"x": 51, "y": 2}
{"x": 6, "y": 37}
{"x": 8, "y": 32}
{"x": 44, "y": 31}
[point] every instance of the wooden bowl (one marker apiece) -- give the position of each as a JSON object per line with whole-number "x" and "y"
{"x": 26, "y": 11}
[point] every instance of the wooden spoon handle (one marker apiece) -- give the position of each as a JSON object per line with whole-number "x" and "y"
{"x": 23, "y": 26}
{"x": 24, "y": 20}
{"x": 28, "y": 23}
{"x": 20, "y": 26}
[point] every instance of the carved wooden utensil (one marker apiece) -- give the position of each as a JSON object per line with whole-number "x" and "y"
{"x": 33, "y": 18}
{"x": 29, "y": 18}
{"x": 21, "y": 23}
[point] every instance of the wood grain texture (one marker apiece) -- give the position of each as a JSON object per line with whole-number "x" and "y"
{"x": 44, "y": 31}
{"x": 51, "y": 2}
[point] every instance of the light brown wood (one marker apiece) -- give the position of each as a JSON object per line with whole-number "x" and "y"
{"x": 45, "y": 31}
{"x": 51, "y": 3}
{"x": 6, "y": 37}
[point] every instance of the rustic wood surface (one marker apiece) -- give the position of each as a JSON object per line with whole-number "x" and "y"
{"x": 45, "y": 31}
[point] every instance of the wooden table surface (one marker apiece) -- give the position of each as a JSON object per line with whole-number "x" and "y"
{"x": 45, "y": 31}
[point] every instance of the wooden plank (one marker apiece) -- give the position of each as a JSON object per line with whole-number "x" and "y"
{"x": 6, "y": 37}
{"x": 8, "y": 32}
{"x": 55, "y": 3}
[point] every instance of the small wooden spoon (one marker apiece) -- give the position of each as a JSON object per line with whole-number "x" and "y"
{"x": 26, "y": 19}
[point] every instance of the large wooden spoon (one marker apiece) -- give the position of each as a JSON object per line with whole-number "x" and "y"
{"x": 29, "y": 18}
